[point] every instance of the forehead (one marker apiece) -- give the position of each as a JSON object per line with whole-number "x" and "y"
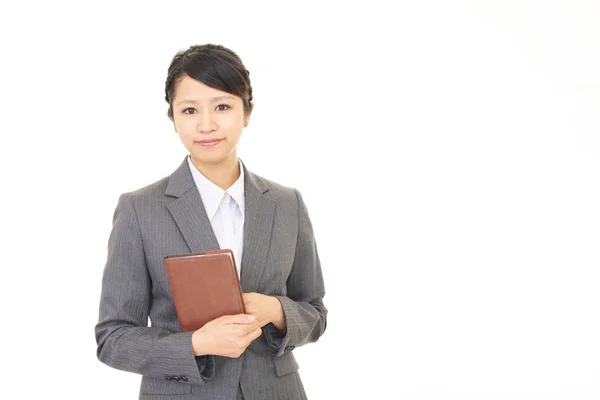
{"x": 189, "y": 88}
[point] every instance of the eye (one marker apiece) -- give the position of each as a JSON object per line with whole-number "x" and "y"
{"x": 223, "y": 107}
{"x": 185, "y": 111}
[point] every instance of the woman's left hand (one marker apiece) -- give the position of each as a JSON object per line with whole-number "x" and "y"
{"x": 265, "y": 308}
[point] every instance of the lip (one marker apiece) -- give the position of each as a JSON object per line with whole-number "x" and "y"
{"x": 209, "y": 142}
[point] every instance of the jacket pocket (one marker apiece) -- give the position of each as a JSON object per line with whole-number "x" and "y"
{"x": 285, "y": 364}
{"x": 163, "y": 386}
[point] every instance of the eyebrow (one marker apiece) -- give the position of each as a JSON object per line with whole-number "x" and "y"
{"x": 213, "y": 99}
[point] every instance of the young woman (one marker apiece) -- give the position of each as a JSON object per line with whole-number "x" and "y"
{"x": 211, "y": 201}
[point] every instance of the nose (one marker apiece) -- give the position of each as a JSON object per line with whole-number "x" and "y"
{"x": 206, "y": 122}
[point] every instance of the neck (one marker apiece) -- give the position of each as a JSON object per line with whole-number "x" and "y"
{"x": 223, "y": 174}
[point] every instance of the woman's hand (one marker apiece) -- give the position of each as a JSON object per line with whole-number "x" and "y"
{"x": 266, "y": 309}
{"x": 226, "y": 336}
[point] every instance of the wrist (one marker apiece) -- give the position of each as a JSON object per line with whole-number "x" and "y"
{"x": 199, "y": 344}
{"x": 277, "y": 316}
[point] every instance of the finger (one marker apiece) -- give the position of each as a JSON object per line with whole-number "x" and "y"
{"x": 251, "y": 328}
{"x": 252, "y": 336}
{"x": 238, "y": 319}
{"x": 256, "y": 333}
{"x": 233, "y": 319}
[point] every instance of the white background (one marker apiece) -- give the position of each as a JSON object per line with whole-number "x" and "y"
{"x": 448, "y": 153}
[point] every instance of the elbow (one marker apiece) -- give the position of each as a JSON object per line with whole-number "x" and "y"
{"x": 106, "y": 337}
{"x": 321, "y": 325}
{"x": 102, "y": 350}
{"x": 103, "y": 355}
{"x": 323, "y": 321}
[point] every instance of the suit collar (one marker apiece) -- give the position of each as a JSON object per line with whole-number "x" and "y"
{"x": 212, "y": 195}
{"x": 181, "y": 180}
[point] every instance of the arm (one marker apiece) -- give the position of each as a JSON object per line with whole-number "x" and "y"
{"x": 304, "y": 312}
{"x": 124, "y": 339}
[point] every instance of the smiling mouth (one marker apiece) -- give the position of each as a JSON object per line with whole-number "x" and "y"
{"x": 209, "y": 143}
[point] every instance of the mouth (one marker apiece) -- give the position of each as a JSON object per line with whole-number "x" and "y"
{"x": 208, "y": 142}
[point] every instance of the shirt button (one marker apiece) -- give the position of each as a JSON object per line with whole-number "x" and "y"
{"x": 226, "y": 198}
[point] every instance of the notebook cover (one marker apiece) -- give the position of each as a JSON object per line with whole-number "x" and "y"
{"x": 204, "y": 286}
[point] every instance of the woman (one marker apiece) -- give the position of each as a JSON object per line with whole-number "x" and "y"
{"x": 211, "y": 201}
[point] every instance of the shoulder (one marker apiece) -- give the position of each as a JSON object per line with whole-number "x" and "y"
{"x": 275, "y": 190}
{"x": 146, "y": 195}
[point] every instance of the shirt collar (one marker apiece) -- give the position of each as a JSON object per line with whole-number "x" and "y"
{"x": 212, "y": 195}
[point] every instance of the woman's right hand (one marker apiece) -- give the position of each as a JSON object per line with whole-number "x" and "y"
{"x": 226, "y": 336}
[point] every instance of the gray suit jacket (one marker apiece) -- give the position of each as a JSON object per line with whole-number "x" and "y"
{"x": 279, "y": 259}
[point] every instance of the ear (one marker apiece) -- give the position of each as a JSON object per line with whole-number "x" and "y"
{"x": 247, "y": 116}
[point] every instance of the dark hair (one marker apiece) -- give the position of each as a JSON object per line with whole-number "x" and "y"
{"x": 215, "y": 66}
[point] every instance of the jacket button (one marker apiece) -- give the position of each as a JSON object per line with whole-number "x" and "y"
{"x": 184, "y": 378}
{"x": 289, "y": 348}
{"x": 169, "y": 378}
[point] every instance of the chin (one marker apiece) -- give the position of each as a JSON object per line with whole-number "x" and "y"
{"x": 204, "y": 158}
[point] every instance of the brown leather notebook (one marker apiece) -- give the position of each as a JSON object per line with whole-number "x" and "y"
{"x": 204, "y": 286}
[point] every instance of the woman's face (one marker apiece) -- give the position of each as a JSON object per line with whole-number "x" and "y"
{"x": 209, "y": 122}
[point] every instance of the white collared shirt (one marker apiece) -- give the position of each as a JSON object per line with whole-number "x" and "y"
{"x": 225, "y": 210}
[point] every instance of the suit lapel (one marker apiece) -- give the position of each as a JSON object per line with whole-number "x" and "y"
{"x": 258, "y": 223}
{"x": 188, "y": 211}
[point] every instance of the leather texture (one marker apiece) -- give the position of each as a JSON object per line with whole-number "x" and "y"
{"x": 209, "y": 278}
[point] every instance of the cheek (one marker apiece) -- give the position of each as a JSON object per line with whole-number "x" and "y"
{"x": 183, "y": 126}
{"x": 231, "y": 122}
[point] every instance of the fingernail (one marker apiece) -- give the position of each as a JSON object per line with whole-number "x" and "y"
{"x": 251, "y": 317}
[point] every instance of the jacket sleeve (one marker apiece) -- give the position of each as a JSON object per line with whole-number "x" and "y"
{"x": 123, "y": 337}
{"x": 305, "y": 313}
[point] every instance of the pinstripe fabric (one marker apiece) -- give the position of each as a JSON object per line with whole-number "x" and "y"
{"x": 280, "y": 259}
